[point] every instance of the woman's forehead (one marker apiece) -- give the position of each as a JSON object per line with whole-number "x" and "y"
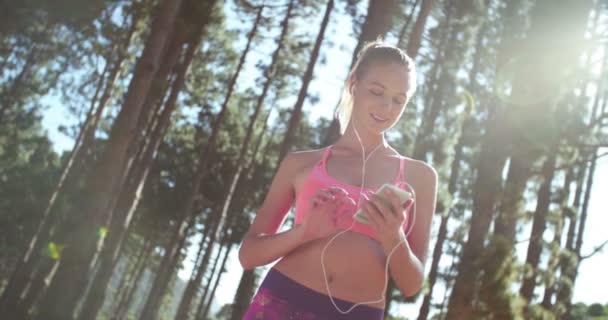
{"x": 391, "y": 76}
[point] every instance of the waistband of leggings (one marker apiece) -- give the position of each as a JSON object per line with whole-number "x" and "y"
{"x": 308, "y": 299}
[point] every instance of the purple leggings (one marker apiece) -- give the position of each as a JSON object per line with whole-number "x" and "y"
{"x": 281, "y": 298}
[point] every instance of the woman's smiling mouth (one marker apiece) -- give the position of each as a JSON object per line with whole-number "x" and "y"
{"x": 378, "y": 118}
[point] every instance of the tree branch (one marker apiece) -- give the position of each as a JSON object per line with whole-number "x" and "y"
{"x": 596, "y": 250}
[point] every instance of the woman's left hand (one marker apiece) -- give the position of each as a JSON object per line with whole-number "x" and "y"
{"x": 386, "y": 221}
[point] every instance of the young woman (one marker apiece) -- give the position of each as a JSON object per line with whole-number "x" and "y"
{"x": 333, "y": 266}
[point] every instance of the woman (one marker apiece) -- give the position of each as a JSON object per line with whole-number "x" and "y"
{"x": 331, "y": 265}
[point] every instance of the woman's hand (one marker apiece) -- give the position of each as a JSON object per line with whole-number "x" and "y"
{"x": 387, "y": 220}
{"x": 321, "y": 220}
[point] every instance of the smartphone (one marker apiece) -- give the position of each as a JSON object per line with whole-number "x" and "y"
{"x": 403, "y": 197}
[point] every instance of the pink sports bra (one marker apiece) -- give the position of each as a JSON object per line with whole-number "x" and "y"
{"x": 318, "y": 178}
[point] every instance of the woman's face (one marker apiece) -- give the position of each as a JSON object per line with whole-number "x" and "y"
{"x": 379, "y": 96}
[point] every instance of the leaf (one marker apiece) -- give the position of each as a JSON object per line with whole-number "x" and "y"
{"x": 102, "y": 232}
{"x": 55, "y": 250}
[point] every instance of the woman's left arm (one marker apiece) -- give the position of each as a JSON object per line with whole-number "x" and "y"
{"x": 407, "y": 262}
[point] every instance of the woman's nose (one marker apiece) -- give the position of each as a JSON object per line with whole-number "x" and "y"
{"x": 387, "y": 102}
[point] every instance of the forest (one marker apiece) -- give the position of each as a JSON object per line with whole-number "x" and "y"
{"x": 178, "y": 112}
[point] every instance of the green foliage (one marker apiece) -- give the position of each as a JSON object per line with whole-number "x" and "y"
{"x": 595, "y": 311}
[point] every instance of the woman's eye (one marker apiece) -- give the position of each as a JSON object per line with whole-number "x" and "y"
{"x": 397, "y": 101}
{"x": 376, "y": 93}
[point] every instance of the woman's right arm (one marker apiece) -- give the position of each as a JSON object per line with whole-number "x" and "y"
{"x": 262, "y": 244}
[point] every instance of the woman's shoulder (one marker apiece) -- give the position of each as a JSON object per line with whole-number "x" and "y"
{"x": 303, "y": 158}
{"x": 420, "y": 168}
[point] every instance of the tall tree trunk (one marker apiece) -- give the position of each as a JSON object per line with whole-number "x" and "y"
{"x": 24, "y": 269}
{"x": 443, "y": 230}
{"x": 203, "y": 305}
{"x": 62, "y": 296}
{"x": 454, "y": 176}
{"x": 243, "y": 150}
{"x": 131, "y": 280}
{"x": 444, "y": 73}
{"x": 244, "y": 294}
{"x": 406, "y": 25}
{"x": 498, "y": 266}
{"x": 296, "y": 112}
{"x": 130, "y": 197}
{"x": 567, "y": 263}
{"x": 581, "y": 229}
{"x": 126, "y": 276}
{"x": 12, "y": 95}
{"x": 552, "y": 265}
{"x": 202, "y": 313}
{"x": 198, "y": 270}
{"x": 246, "y": 287}
{"x": 486, "y": 190}
{"x": 210, "y": 288}
{"x": 125, "y": 302}
{"x": 415, "y": 39}
{"x": 538, "y": 228}
{"x": 492, "y": 158}
{"x": 180, "y": 232}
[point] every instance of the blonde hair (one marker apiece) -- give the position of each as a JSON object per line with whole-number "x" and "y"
{"x": 374, "y": 51}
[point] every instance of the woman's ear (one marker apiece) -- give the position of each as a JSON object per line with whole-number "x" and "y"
{"x": 352, "y": 82}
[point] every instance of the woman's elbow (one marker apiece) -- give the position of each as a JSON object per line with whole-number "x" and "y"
{"x": 243, "y": 258}
{"x": 414, "y": 288}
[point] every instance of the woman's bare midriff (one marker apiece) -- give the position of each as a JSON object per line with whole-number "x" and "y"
{"x": 354, "y": 263}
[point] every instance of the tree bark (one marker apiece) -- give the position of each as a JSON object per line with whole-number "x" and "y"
{"x": 406, "y": 25}
{"x": 416, "y": 36}
{"x": 197, "y": 272}
{"x": 296, "y": 112}
{"x": 129, "y": 199}
{"x": 203, "y": 312}
{"x": 443, "y": 230}
{"x": 12, "y": 94}
{"x": 125, "y": 298}
{"x": 169, "y": 261}
{"x": 79, "y": 254}
{"x": 23, "y": 272}
{"x": 553, "y": 263}
{"x": 244, "y": 294}
{"x": 217, "y": 228}
{"x": 538, "y": 228}
{"x": 463, "y": 296}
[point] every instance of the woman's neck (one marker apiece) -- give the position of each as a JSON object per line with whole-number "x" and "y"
{"x": 349, "y": 140}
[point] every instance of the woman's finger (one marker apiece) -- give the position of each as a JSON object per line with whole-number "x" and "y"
{"x": 318, "y": 199}
{"x": 396, "y": 204}
{"x": 337, "y": 191}
{"x": 369, "y": 210}
{"x": 370, "y": 213}
{"x": 381, "y": 209}
{"x": 323, "y": 193}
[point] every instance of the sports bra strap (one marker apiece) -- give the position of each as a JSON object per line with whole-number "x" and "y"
{"x": 323, "y": 161}
{"x": 401, "y": 167}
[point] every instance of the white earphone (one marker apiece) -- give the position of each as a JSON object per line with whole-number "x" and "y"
{"x": 353, "y": 223}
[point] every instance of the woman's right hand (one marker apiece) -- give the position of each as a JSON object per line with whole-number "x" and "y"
{"x": 322, "y": 219}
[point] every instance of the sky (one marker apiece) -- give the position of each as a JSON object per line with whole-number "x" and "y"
{"x": 328, "y": 84}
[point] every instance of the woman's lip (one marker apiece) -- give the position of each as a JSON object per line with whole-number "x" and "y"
{"x": 377, "y": 118}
